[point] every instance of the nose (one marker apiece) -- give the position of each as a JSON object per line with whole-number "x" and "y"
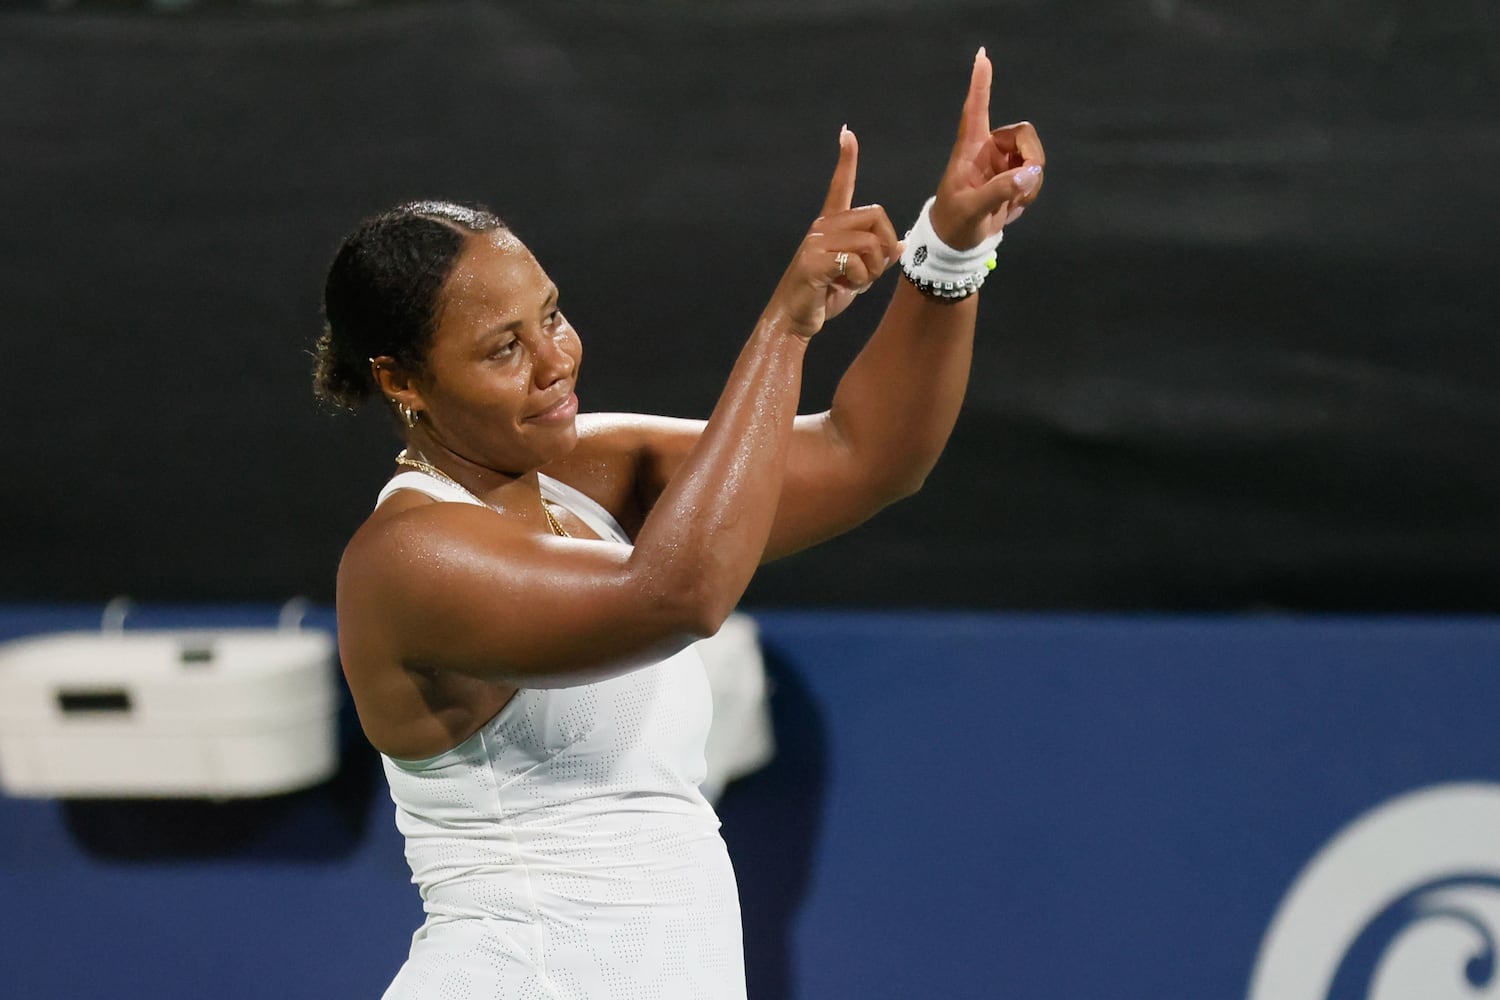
{"x": 552, "y": 361}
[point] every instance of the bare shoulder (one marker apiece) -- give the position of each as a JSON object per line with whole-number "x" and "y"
{"x": 405, "y": 544}
{"x": 410, "y": 522}
{"x": 393, "y": 565}
{"x": 444, "y": 585}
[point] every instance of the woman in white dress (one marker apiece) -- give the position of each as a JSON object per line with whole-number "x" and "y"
{"x": 516, "y": 617}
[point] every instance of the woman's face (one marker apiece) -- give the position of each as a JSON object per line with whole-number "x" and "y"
{"x": 498, "y": 384}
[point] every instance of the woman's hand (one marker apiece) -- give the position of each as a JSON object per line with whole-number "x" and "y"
{"x": 844, "y": 251}
{"x": 991, "y": 175}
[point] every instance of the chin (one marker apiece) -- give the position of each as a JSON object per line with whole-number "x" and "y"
{"x": 559, "y": 444}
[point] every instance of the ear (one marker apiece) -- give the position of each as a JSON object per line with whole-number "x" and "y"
{"x": 396, "y": 384}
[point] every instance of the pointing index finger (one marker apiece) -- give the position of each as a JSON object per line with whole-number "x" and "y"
{"x": 841, "y": 188}
{"x": 976, "y": 116}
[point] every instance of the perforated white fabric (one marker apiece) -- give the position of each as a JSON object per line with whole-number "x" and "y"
{"x": 564, "y": 851}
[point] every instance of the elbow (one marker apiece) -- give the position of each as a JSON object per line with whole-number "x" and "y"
{"x": 707, "y": 608}
{"x": 909, "y": 485}
{"x": 692, "y": 603}
{"x": 896, "y": 484}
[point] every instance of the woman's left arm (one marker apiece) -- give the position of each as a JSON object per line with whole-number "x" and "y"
{"x": 896, "y": 406}
{"x": 897, "y": 403}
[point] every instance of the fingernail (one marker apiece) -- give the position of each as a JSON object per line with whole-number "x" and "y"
{"x": 1014, "y": 215}
{"x": 980, "y": 54}
{"x": 1028, "y": 178}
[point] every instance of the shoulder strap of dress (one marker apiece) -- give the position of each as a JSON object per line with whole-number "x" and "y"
{"x": 432, "y": 486}
{"x": 585, "y": 508}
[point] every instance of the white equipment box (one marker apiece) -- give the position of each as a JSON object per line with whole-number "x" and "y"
{"x": 231, "y": 713}
{"x": 741, "y": 739}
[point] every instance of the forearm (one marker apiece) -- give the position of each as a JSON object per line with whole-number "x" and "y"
{"x": 706, "y": 532}
{"x": 895, "y": 407}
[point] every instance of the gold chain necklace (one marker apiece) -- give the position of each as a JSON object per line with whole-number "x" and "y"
{"x": 432, "y": 470}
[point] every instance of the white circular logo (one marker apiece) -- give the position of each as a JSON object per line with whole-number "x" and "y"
{"x": 1403, "y": 904}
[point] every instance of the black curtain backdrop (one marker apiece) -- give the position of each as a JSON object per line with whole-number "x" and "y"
{"x": 1242, "y": 354}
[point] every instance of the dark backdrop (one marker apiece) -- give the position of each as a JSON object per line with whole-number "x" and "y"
{"x": 1242, "y": 353}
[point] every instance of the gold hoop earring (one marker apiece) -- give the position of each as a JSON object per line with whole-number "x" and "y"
{"x": 408, "y": 415}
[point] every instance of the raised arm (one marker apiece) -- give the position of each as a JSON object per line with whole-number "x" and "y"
{"x": 897, "y": 403}
{"x": 452, "y": 587}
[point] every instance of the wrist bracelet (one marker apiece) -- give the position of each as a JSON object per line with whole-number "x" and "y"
{"x": 938, "y": 270}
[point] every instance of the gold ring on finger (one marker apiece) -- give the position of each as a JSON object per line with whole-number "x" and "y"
{"x": 842, "y": 260}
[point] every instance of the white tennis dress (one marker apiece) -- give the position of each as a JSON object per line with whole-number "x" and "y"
{"x": 564, "y": 852}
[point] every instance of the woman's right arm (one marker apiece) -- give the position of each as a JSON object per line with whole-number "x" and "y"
{"x": 453, "y": 587}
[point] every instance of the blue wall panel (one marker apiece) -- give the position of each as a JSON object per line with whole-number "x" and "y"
{"x": 1057, "y": 807}
{"x": 963, "y": 806}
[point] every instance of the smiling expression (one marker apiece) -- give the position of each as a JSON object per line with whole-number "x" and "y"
{"x": 503, "y": 361}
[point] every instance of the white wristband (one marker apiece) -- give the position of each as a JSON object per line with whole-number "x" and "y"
{"x": 940, "y": 271}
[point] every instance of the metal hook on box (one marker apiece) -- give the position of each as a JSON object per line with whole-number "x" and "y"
{"x": 292, "y": 613}
{"x": 112, "y": 619}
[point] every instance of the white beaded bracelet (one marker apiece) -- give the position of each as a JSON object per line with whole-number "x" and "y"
{"x": 938, "y": 270}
